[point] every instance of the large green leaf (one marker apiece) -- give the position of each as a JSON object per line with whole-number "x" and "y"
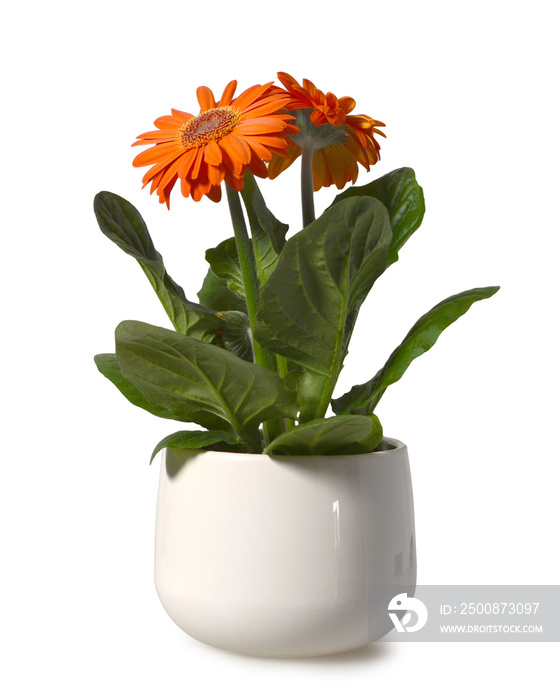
{"x": 404, "y": 199}
{"x": 201, "y": 383}
{"x": 338, "y": 435}
{"x": 109, "y": 367}
{"x": 309, "y": 305}
{"x": 122, "y": 223}
{"x": 195, "y": 440}
{"x": 363, "y": 398}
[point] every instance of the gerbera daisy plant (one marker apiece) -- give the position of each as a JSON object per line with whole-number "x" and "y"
{"x": 256, "y": 360}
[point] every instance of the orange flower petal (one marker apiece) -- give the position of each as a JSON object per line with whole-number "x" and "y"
{"x": 186, "y": 163}
{"x": 168, "y": 122}
{"x": 166, "y": 193}
{"x": 215, "y": 194}
{"x": 197, "y": 163}
{"x": 205, "y": 98}
{"x": 263, "y": 108}
{"x": 157, "y": 171}
{"x": 261, "y": 126}
{"x": 213, "y": 153}
{"x": 236, "y": 149}
{"x": 320, "y": 171}
{"x": 257, "y": 148}
{"x": 250, "y": 96}
{"x": 155, "y": 181}
{"x": 257, "y": 167}
{"x": 161, "y": 136}
{"x": 185, "y": 188}
{"x": 216, "y": 174}
{"x": 273, "y": 141}
{"x": 278, "y": 164}
{"x": 199, "y": 189}
{"x": 170, "y": 174}
{"x": 228, "y": 93}
{"x": 165, "y": 154}
{"x": 234, "y": 183}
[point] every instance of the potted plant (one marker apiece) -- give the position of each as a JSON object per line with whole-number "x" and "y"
{"x": 276, "y": 521}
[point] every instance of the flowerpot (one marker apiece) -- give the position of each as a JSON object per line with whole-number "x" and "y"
{"x": 280, "y": 556}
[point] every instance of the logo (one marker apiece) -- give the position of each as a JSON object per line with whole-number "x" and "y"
{"x": 403, "y": 602}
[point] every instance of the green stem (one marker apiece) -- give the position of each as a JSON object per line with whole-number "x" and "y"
{"x": 246, "y": 255}
{"x": 248, "y": 265}
{"x": 307, "y": 205}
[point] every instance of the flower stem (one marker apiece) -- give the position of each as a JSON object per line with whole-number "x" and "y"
{"x": 248, "y": 265}
{"x": 307, "y": 205}
{"x": 246, "y": 255}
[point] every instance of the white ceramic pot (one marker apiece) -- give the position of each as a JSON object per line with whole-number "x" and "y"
{"x": 275, "y": 556}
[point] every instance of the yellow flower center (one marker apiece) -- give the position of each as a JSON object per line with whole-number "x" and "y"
{"x": 209, "y": 126}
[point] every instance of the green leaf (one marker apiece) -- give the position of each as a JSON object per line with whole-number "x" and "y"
{"x": 404, "y": 199}
{"x": 224, "y": 263}
{"x": 309, "y": 305}
{"x": 194, "y": 440}
{"x": 363, "y": 398}
{"x": 338, "y": 435}
{"x": 216, "y": 295}
{"x": 201, "y": 383}
{"x": 261, "y": 220}
{"x": 109, "y": 367}
{"x": 121, "y": 222}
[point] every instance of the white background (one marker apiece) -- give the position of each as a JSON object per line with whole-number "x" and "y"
{"x": 468, "y": 93}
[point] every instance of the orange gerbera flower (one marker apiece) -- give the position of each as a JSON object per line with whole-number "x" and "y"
{"x": 218, "y": 144}
{"x": 340, "y": 140}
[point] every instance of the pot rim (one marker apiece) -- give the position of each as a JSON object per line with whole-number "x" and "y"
{"x": 388, "y": 446}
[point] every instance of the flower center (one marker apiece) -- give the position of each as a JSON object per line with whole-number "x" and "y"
{"x": 209, "y": 126}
